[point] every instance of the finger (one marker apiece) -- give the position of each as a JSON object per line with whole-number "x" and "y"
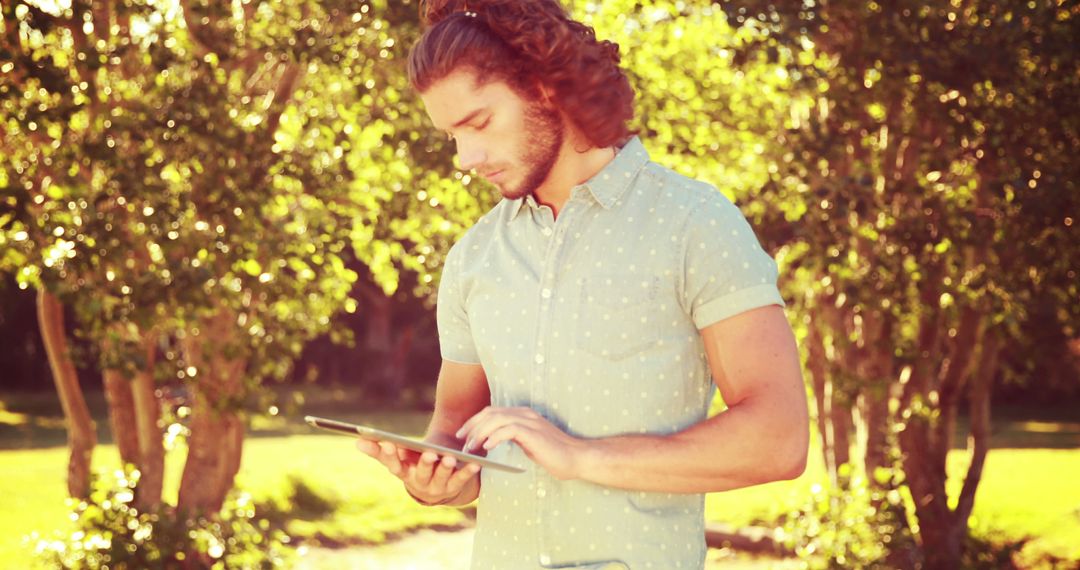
{"x": 470, "y": 423}
{"x": 481, "y": 426}
{"x": 461, "y": 477}
{"x": 388, "y": 457}
{"x": 527, "y": 413}
{"x": 509, "y": 432}
{"x": 369, "y": 447}
{"x": 408, "y": 456}
{"x": 484, "y": 431}
{"x": 442, "y": 473}
{"x": 420, "y": 472}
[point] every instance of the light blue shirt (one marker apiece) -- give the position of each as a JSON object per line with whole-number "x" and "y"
{"x": 593, "y": 321}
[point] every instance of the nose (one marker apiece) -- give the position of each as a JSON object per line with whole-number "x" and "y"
{"x": 470, "y": 155}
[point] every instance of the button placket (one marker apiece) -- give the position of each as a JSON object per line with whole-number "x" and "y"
{"x": 539, "y": 386}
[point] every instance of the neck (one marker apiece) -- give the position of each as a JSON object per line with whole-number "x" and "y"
{"x": 571, "y": 168}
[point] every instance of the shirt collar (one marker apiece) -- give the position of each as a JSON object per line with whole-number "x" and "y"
{"x": 610, "y": 183}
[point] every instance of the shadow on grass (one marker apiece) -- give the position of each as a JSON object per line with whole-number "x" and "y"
{"x": 314, "y": 516}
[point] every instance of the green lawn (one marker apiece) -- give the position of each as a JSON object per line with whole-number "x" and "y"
{"x": 1024, "y": 492}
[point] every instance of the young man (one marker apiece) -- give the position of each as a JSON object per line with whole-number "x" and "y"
{"x": 586, "y": 319}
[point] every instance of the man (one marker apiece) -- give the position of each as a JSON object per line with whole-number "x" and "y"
{"x": 586, "y": 319}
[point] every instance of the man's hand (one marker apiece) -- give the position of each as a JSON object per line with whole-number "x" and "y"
{"x": 544, "y": 443}
{"x": 426, "y": 477}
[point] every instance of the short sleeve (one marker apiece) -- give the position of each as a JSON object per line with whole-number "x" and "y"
{"x": 726, "y": 271}
{"x": 455, "y": 335}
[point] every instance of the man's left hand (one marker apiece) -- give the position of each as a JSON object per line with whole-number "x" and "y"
{"x": 544, "y": 443}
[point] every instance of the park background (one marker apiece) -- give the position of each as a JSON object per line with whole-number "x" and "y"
{"x": 216, "y": 217}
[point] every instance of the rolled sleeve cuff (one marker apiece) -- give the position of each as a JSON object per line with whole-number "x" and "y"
{"x": 732, "y": 304}
{"x": 463, "y": 356}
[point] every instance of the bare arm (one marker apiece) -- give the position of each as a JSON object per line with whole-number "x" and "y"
{"x": 461, "y": 392}
{"x": 762, "y": 437}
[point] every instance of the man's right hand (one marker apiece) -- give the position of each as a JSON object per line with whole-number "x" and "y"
{"x": 426, "y": 477}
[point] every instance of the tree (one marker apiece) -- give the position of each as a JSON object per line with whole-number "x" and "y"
{"x": 925, "y": 198}
{"x": 189, "y": 180}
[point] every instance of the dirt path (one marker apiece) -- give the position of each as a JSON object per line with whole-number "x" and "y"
{"x": 423, "y": 550}
{"x": 434, "y": 550}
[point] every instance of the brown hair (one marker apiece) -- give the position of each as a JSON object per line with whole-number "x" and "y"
{"x": 527, "y": 43}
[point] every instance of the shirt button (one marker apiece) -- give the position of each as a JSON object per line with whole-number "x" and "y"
{"x": 539, "y": 359}
{"x": 545, "y": 559}
{"x": 546, "y": 293}
{"x": 546, "y": 231}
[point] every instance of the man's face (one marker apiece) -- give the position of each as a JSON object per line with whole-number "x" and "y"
{"x": 509, "y": 140}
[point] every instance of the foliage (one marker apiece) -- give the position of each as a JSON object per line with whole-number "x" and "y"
{"x": 853, "y": 524}
{"x": 163, "y": 163}
{"x": 923, "y": 201}
{"x": 192, "y": 180}
{"x": 111, "y": 533}
{"x": 926, "y": 164}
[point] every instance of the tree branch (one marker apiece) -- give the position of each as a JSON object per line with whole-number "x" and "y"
{"x": 955, "y": 371}
{"x": 979, "y": 440}
{"x": 195, "y": 30}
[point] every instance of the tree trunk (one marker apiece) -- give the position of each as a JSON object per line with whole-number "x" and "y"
{"x": 940, "y": 545}
{"x": 216, "y": 441}
{"x": 232, "y": 451}
{"x": 941, "y": 530}
{"x": 877, "y": 371}
{"x": 954, "y": 374}
{"x": 840, "y": 424}
{"x": 82, "y": 436}
{"x": 379, "y": 339}
{"x": 206, "y": 471}
{"x": 837, "y": 398}
{"x": 925, "y": 477}
{"x": 979, "y": 442}
{"x": 147, "y": 422}
{"x": 873, "y": 412}
{"x": 943, "y": 541}
{"x": 122, "y": 416}
{"x": 817, "y": 366}
{"x": 397, "y": 370}
{"x": 134, "y": 413}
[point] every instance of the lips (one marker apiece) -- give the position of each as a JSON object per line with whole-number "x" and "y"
{"x": 492, "y": 174}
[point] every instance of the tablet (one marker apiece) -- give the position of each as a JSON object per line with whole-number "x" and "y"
{"x": 371, "y": 433}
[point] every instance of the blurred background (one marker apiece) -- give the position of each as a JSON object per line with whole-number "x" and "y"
{"x": 216, "y": 217}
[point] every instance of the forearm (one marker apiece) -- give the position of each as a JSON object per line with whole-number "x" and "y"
{"x": 746, "y": 445}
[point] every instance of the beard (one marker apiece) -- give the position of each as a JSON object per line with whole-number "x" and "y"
{"x": 544, "y": 134}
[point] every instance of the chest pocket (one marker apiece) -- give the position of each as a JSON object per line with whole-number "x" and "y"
{"x": 616, "y": 313}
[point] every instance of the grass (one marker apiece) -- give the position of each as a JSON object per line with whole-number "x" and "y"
{"x": 1026, "y": 492}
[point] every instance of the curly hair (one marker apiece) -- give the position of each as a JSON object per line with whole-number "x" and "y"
{"x": 527, "y": 43}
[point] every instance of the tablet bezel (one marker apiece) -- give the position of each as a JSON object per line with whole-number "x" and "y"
{"x": 370, "y": 433}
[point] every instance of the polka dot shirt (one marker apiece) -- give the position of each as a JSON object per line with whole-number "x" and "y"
{"x": 593, "y": 320}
